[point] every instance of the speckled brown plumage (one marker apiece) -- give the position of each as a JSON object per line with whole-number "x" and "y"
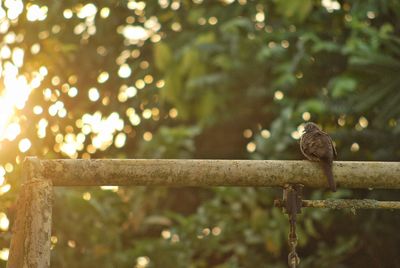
{"x": 316, "y": 145}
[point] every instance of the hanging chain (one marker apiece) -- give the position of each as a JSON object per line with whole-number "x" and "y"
{"x": 292, "y": 199}
{"x": 293, "y": 258}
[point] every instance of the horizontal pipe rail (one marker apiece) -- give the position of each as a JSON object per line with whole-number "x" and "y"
{"x": 346, "y": 204}
{"x": 190, "y": 172}
{"x": 352, "y": 204}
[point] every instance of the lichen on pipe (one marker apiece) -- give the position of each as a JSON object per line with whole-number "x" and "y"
{"x": 351, "y": 204}
{"x": 346, "y": 204}
{"x": 193, "y": 172}
{"x": 30, "y": 242}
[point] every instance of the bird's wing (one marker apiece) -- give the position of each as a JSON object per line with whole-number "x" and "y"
{"x": 319, "y": 145}
{"x": 331, "y": 142}
{"x": 307, "y": 146}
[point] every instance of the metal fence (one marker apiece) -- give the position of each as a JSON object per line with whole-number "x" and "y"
{"x": 30, "y": 244}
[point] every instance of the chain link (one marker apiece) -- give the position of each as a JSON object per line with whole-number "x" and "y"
{"x": 293, "y": 258}
{"x": 292, "y": 199}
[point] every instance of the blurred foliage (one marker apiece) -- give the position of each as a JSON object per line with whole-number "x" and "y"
{"x": 225, "y": 79}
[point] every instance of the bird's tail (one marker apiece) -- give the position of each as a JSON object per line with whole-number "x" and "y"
{"x": 327, "y": 168}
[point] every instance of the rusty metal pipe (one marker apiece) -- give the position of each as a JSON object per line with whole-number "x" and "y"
{"x": 191, "y": 172}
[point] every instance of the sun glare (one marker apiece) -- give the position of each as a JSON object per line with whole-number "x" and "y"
{"x": 4, "y": 254}
{"x": 91, "y": 132}
{"x": 14, "y": 96}
{"x": 4, "y": 222}
{"x": 36, "y": 13}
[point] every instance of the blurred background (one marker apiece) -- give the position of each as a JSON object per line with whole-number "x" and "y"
{"x": 228, "y": 79}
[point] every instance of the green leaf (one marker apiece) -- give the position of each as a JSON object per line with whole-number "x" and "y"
{"x": 342, "y": 86}
{"x": 293, "y": 9}
{"x": 235, "y": 24}
{"x": 162, "y": 56}
{"x": 206, "y": 107}
{"x": 314, "y": 106}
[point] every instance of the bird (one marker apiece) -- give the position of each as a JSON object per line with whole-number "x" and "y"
{"x": 316, "y": 145}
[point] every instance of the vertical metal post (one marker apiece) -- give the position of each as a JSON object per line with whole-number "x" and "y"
{"x": 30, "y": 243}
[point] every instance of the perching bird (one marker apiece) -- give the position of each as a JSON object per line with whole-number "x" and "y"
{"x": 316, "y": 145}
